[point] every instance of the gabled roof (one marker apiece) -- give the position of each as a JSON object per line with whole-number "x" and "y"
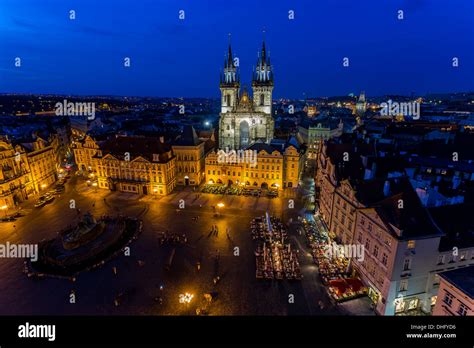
{"x": 145, "y": 147}
{"x": 461, "y": 278}
{"x": 188, "y": 137}
{"x": 412, "y": 218}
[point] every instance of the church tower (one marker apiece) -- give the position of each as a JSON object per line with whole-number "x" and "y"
{"x": 229, "y": 83}
{"x": 262, "y": 83}
{"x": 245, "y": 120}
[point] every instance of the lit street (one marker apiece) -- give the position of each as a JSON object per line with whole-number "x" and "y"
{"x": 135, "y": 288}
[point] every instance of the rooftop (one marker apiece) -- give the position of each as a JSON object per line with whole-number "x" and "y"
{"x": 461, "y": 278}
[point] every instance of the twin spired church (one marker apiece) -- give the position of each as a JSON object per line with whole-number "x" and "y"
{"x": 244, "y": 119}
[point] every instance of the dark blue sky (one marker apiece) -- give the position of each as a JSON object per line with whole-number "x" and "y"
{"x": 171, "y": 57}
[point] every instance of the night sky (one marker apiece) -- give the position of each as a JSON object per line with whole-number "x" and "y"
{"x": 173, "y": 57}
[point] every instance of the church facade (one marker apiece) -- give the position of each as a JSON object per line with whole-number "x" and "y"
{"x": 244, "y": 119}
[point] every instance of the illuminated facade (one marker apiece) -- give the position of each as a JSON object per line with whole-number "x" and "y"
{"x": 15, "y": 179}
{"x": 140, "y": 165}
{"x": 84, "y": 150}
{"x": 42, "y": 157}
{"x": 245, "y": 120}
{"x": 274, "y": 167}
{"x": 190, "y": 158}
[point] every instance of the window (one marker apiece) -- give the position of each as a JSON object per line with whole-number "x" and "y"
{"x": 376, "y": 250}
{"x": 407, "y": 264}
{"x": 413, "y": 303}
{"x": 403, "y": 285}
{"x": 384, "y": 259}
{"x": 399, "y": 305}
{"x": 411, "y": 244}
{"x": 462, "y": 309}
{"x": 440, "y": 259}
{"x": 448, "y": 299}
{"x": 436, "y": 280}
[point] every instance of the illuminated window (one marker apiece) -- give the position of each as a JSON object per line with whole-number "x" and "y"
{"x": 413, "y": 303}
{"x": 399, "y": 305}
{"x": 411, "y": 244}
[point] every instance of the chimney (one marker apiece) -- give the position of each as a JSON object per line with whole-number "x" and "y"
{"x": 386, "y": 188}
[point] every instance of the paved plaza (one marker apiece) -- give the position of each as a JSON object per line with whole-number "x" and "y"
{"x": 140, "y": 280}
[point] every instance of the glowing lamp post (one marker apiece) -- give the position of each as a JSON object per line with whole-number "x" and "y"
{"x": 95, "y": 186}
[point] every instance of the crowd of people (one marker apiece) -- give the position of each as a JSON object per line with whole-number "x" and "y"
{"x": 274, "y": 256}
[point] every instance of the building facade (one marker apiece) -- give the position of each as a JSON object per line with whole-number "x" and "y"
{"x": 456, "y": 293}
{"x": 84, "y": 151}
{"x": 42, "y": 157}
{"x": 406, "y": 246}
{"x": 140, "y": 165}
{"x": 274, "y": 167}
{"x": 190, "y": 158}
{"x": 15, "y": 177}
{"x": 245, "y": 120}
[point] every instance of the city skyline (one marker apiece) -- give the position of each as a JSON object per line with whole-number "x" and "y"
{"x": 92, "y": 47}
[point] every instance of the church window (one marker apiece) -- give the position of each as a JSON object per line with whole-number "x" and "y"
{"x": 262, "y": 99}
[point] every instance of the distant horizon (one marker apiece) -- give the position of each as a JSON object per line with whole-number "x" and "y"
{"x": 218, "y": 97}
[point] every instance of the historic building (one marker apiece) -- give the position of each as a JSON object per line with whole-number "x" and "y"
{"x": 84, "y": 150}
{"x": 142, "y": 165}
{"x": 367, "y": 199}
{"x": 246, "y": 119}
{"x": 27, "y": 167}
{"x": 274, "y": 166}
{"x": 42, "y": 156}
{"x": 190, "y": 154}
{"x": 15, "y": 179}
{"x": 456, "y": 293}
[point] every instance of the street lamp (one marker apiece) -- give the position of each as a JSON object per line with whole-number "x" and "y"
{"x": 95, "y": 186}
{"x": 4, "y": 208}
{"x": 186, "y": 298}
{"x": 220, "y": 205}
